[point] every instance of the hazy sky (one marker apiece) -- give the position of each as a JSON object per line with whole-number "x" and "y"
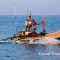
{"x": 38, "y": 7}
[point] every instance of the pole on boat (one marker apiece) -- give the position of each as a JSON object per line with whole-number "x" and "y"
{"x": 27, "y": 13}
{"x": 30, "y": 14}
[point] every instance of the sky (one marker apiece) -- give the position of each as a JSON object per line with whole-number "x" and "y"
{"x": 37, "y": 7}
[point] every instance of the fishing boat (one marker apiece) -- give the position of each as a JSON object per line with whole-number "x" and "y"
{"x": 30, "y": 36}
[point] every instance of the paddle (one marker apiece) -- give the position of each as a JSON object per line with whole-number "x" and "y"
{"x": 6, "y": 39}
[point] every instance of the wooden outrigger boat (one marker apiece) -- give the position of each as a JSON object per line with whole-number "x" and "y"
{"x": 50, "y": 38}
{"x": 29, "y": 36}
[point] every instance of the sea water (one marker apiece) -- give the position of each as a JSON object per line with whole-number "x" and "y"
{"x": 12, "y": 51}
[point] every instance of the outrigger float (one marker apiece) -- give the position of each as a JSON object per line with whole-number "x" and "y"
{"x": 30, "y": 36}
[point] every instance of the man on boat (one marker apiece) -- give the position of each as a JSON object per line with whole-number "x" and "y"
{"x": 44, "y": 29}
{"x": 28, "y": 23}
{"x": 34, "y": 25}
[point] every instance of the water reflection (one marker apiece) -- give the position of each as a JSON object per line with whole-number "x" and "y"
{"x": 27, "y": 52}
